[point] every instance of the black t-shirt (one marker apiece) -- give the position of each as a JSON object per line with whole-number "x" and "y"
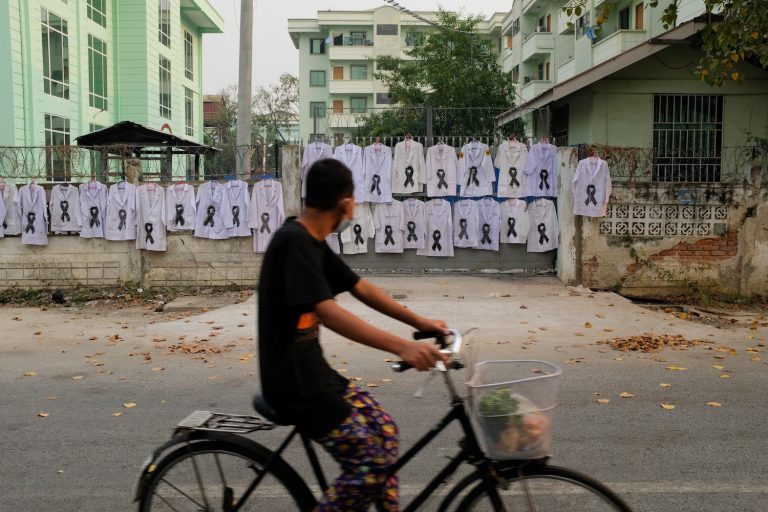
{"x": 298, "y": 272}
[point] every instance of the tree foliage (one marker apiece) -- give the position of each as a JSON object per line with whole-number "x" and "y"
{"x": 276, "y": 106}
{"x": 452, "y": 69}
{"x": 737, "y": 32}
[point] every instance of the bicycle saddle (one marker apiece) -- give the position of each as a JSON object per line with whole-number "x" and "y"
{"x": 266, "y": 410}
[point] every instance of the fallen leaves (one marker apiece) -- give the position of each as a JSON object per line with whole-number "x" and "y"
{"x": 668, "y": 407}
{"x": 129, "y": 405}
{"x": 158, "y": 369}
{"x": 674, "y": 367}
{"x": 117, "y": 414}
{"x": 195, "y": 347}
{"x": 714, "y": 404}
{"x": 78, "y": 377}
{"x": 665, "y": 385}
{"x": 725, "y": 376}
{"x": 43, "y": 414}
{"x": 575, "y": 360}
{"x": 603, "y": 400}
{"x": 29, "y": 374}
{"x": 587, "y": 325}
{"x": 650, "y": 342}
{"x": 625, "y": 394}
{"x": 718, "y": 366}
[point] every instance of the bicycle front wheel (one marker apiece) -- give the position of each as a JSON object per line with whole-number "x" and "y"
{"x": 543, "y": 488}
{"x": 218, "y": 476}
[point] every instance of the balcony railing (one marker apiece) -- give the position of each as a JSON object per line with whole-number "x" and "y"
{"x": 615, "y": 44}
{"x": 350, "y": 52}
{"x": 566, "y": 70}
{"x": 533, "y": 88}
{"x": 538, "y": 45}
{"x": 350, "y": 87}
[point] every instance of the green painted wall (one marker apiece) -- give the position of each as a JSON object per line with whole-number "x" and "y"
{"x": 133, "y": 49}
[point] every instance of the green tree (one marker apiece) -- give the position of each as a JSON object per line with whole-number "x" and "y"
{"x": 454, "y": 70}
{"x": 277, "y": 106}
{"x": 737, "y": 32}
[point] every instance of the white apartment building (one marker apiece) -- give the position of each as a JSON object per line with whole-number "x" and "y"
{"x": 337, "y": 51}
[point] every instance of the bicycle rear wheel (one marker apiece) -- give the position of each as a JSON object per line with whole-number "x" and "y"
{"x": 215, "y": 476}
{"x": 543, "y": 488}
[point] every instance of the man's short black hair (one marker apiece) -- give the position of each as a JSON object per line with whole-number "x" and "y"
{"x": 328, "y": 182}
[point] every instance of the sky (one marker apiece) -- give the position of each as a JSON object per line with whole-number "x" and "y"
{"x": 273, "y": 51}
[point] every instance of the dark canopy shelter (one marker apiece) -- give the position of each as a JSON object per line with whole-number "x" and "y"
{"x": 127, "y": 139}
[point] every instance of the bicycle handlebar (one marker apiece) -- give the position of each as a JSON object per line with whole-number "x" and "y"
{"x": 454, "y": 349}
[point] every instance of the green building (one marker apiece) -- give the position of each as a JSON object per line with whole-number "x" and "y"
{"x": 68, "y": 67}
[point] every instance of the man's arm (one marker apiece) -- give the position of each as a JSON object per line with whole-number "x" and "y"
{"x": 421, "y": 356}
{"x": 375, "y": 298}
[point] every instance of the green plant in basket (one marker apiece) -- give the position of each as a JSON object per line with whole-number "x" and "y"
{"x": 499, "y": 410}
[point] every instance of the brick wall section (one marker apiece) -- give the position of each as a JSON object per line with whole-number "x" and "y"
{"x": 701, "y": 251}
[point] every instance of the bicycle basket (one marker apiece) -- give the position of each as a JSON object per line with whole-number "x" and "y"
{"x": 512, "y": 403}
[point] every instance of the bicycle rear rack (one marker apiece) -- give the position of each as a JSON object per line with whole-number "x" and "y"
{"x": 222, "y": 422}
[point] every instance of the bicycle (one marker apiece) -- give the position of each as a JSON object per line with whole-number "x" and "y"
{"x": 191, "y": 475}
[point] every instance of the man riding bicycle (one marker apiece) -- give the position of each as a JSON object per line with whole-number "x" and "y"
{"x": 300, "y": 276}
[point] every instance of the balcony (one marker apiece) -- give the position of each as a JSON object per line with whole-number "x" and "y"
{"x": 562, "y": 23}
{"x": 534, "y": 88}
{"x": 530, "y": 5}
{"x": 344, "y": 120}
{"x": 538, "y": 45}
{"x": 350, "y": 52}
{"x": 616, "y": 44}
{"x": 566, "y": 70}
{"x": 350, "y": 87}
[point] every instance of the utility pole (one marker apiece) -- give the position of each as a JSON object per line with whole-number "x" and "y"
{"x": 244, "y": 150}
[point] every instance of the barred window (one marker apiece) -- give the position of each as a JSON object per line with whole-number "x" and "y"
{"x": 687, "y": 137}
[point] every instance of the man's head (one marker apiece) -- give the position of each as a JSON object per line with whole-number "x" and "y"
{"x": 330, "y": 189}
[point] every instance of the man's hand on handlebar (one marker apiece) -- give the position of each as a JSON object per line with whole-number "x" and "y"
{"x": 422, "y": 356}
{"x": 430, "y": 325}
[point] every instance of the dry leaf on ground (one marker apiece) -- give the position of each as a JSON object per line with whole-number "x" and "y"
{"x": 602, "y": 400}
{"x": 725, "y": 376}
{"x": 577, "y": 333}
{"x": 665, "y": 385}
{"x": 676, "y": 368}
{"x": 650, "y": 342}
{"x": 43, "y": 414}
{"x": 129, "y": 405}
{"x": 668, "y": 407}
{"x": 575, "y": 360}
{"x": 158, "y": 369}
{"x": 625, "y": 394}
{"x": 718, "y": 366}
{"x": 714, "y": 404}
{"x": 117, "y": 414}
{"x": 29, "y": 374}
{"x": 588, "y": 325}
{"x": 78, "y": 377}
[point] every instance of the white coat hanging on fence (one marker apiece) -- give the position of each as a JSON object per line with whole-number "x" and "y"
{"x": 408, "y": 170}
{"x": 334, "y": 243}
{"x": 239, "y": 207}
{"x": 543, "y": 234}
{"x": 313, "y": 152}
{"x": 439, "y": 225}
{"x": 213, "y": 216}
{"x": 415, "y": 225}
{"x": 2, "y": 216}
{"x": 93, "y": 209}
{"x": 150, "y": 217}
{"x": 465, "y": 223}
{"x": 591, "y": 187}
{"x": 180, "y": 207}
{"x": 510, "y": 159}
{"x": 121, "y": 212}
{"x": 10, "y": 221}
{"x": 267, "y": 212}
{"x": 441, "y": 168}
{"x": 351, "y": 155}
{"x": 475, "y": 173}
{"x": 378, "y": 173}
{"x": 33, "y": 215}
{"x": 354, "y": 239}
{"x": 541, "y": 170}
{"x": 489, "y": 217}
{"x": 515, "y": 221}
{"x": 64, "y": 205}
{"x": 389, "y": 226}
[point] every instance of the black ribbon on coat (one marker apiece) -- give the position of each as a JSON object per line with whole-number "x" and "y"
{"x": 472, "y": 178}
{"x": 412, "y": 231}
{"x": 544, "y": 179}
{"x": 65, "y": 211}
{"x": 376, "y": 180}
{"x": 436, "y": 238}
{"x": 210, "y": 212}
{"x": 265, "y": 223}
{"x": 94, "y": 221}
{"x": 441, "y": 183}
{"x": 591, "y": 195}
{"x": 511, "y": 225}
{"x": 388, "y": 239}
{"x": 358, "y": 229}
{"x": 543, "y": 234}
{"x": 236, "y": 216}
{"x": 409, "y": 177}
{"x": 486, "y": 234}
{"x": 463, "y": 226}
{"x": 122, "y": 215}
{"x": 513, "y": 177}
{"x": 179, "y": 215}
{"x": 30, "y": 223}
{"x": 148, "y": 228}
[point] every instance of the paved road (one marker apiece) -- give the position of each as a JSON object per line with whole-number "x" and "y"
{"x": 82, "y": 458}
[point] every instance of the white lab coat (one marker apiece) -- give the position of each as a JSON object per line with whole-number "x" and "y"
{"x": 93, "y": 208}
{"x": 121, "y": 212}
{"x": 239, "y": 206}
{"x": 2, "y": 216}
{"x": 408, "y": 170}
{"x": 213, "y": 216}
{"x": 10, "y": 195}
{"x": 64, "y": 205}
{"x": 415, "y": 225}
{"x": 313, "y": 152}
{"x": 475, "y": 172}
{"x": 591, "y": 187}
{"x": 180, "y": 207}
{"x": 33, "y": 215}
{"x": 441, "y": 166}
{"x": 515, "y": 221}
{"x": 378, "y": 173}
{"x": 510, "y": 159}
{"x": 267, "y": 212}
{"x": 150, "y": 217}
{"x": 541, "y": 170}
{"x": 389, "y": 226}
{"x": 351, "y": 155}
{"x": 439, "y": 242}
{"x": 354, "y": 239}
{"x": 465, "y": 223}
{"x": 543, "y": 234}
{"x": 488, "y": 216}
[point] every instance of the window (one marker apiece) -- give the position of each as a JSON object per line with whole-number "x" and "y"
{"x": 97, "y": 73}
{"x": 165, "y": 87}
{"x": 386, "y": 30}
{"x": 359, "y": 71}
{"x": 515, "y": 27}
{"x": 338, "y": 106}
{"x": 96, "y": 10}
{"x": 189, "y": 56}
{"x": 357, "y": 38}
{"x": 383, "y": 98}
{"x": 316, "y": 109}
{"x": 164, "y": 21}
{"x": 516, "y": 73}
{"x": 540, "y": 71}
{"x": 317, "y": 46}
{"x": 413, "y": 38}
{"x": 687, "y": 137}
{"x": 582, "y": 24}
{"x": 189, "y": 111}
{"x": 560, "y": 126}
{"x": 317, "y": 78}
{"x": 544, "y": 24}
{"x": 55, "y": 55}
{"x": 509, "y": 41}
{"x": 358, "y": 105}
{"x": 58, "y": 165}
{"x": 624, "y": 19}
